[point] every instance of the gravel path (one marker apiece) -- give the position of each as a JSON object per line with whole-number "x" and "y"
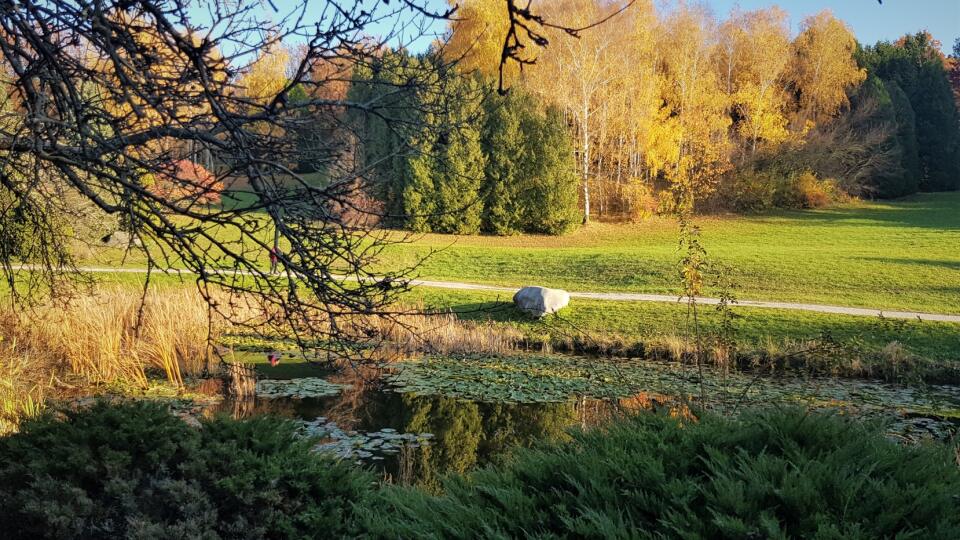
{"x": 618, "y": 297}
{"x": 638, "y": 297}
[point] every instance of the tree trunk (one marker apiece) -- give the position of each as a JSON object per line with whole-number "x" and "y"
{"x": 585, "y": 163}
{"x": 586, "y": 201}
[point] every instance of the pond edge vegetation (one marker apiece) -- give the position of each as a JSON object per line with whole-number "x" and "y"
{"x": 94, "y": 343}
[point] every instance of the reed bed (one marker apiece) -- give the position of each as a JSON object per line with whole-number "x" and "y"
{"x": 442, "y": 333}
{"x": 116, "y": 336}
{"x": 25, "y": 377}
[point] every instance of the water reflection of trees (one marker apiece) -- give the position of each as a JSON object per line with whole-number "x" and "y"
{"x": 468, "y": 433}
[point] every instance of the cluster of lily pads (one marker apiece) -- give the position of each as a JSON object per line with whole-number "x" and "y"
{"x": 186, "y": 403}
{"x": 512, "y": 379}
{"x": 547, "y": 379}
{"x": 305, "y": 387}
{"x": 360, "y": 446}
{"x": 539, "y": 379}
{"x": 914, "y": 428}
{"x": 247, "y": 342}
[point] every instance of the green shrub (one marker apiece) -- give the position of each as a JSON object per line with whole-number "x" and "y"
{"x": 767, "y": 475}
{"x": 134, "y": 470}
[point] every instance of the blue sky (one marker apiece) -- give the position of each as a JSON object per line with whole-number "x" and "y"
{"x": 870, "y": 21}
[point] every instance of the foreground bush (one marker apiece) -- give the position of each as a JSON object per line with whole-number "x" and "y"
{"x": 770, "y": 475}
{"x": 134, "y": 470}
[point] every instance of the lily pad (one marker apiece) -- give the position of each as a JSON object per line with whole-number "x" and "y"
{"x": 360, "y": 446}
{"x": 306, "y": 387}
{"x": 544, "y": 379}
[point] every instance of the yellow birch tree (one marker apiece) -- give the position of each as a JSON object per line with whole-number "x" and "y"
{"x": 476, "y": 37}
{"x": 823, "y": 68}
{"x": 266, "y": 76}
{"x": 754, "y": 55}
{"x": 694, "y": 130}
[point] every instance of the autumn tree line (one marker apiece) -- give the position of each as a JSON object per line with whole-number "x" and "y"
{"x": 736, "y": 114}
{"x": 635, "y": 115}
{"x": 737, "y": 110}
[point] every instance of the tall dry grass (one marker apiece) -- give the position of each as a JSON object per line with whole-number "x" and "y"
{"x": 97, "y": 339}
{"x": 442, "y": 334}
{"x": 104, "y": 337}
{"x": 24, "y": 379}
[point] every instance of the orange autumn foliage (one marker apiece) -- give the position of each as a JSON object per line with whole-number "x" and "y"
{"x": 188, "y": 181}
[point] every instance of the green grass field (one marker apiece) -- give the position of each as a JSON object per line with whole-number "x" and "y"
{"x": 755, "y": 330}
{"x": 900, "y": 255}
{"x": 888, "y": 255}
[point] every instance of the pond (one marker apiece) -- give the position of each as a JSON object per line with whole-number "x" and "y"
{"x": 417, "y": 420}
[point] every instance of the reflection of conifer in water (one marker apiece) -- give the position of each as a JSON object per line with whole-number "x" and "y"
{"x": 245, "y": 407}
{"x": 406, "y": 459}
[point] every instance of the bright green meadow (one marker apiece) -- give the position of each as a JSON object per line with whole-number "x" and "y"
{"x": 887, "y": 255}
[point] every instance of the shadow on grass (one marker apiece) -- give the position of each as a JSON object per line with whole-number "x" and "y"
{"x": 950, "y": 265}
{"x": 926, "y": 210}
{"x": 497, "y": 311}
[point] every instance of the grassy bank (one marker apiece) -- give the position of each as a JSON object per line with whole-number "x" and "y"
{"x": 842, "y": 344}
{"x": 889, "y": 255}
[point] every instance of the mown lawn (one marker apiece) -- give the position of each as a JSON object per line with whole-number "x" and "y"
{"x": 655, "y": 322}
{"x": 901, "y": 255}
{"x": 651, "y": 323}
{"x": 888, "y": 255}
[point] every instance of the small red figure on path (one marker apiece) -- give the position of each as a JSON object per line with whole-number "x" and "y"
{"x": 273, "y": 358}
{"x": 273, "y": 260}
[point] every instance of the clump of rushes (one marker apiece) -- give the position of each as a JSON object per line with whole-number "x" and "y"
{"x": 24, "y": 381}
{"x": 104, "y": 338}
{"x": 107, "y": 338}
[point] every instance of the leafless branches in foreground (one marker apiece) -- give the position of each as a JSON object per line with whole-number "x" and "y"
{"x": 104, "y": 102}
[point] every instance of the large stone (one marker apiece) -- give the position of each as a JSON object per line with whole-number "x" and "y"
{"x": 120, "y": 239}
{"x": 539, "y": 301}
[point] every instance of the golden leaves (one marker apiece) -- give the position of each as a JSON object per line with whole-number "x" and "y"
{"x": 823, "y": 68}
{"x": 476, "y": 36}
{"x": 266, "y": 76}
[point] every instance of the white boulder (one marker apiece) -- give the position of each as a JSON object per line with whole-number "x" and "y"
{"x": 539, "y": 301}
{"x": 121, "y": 239}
